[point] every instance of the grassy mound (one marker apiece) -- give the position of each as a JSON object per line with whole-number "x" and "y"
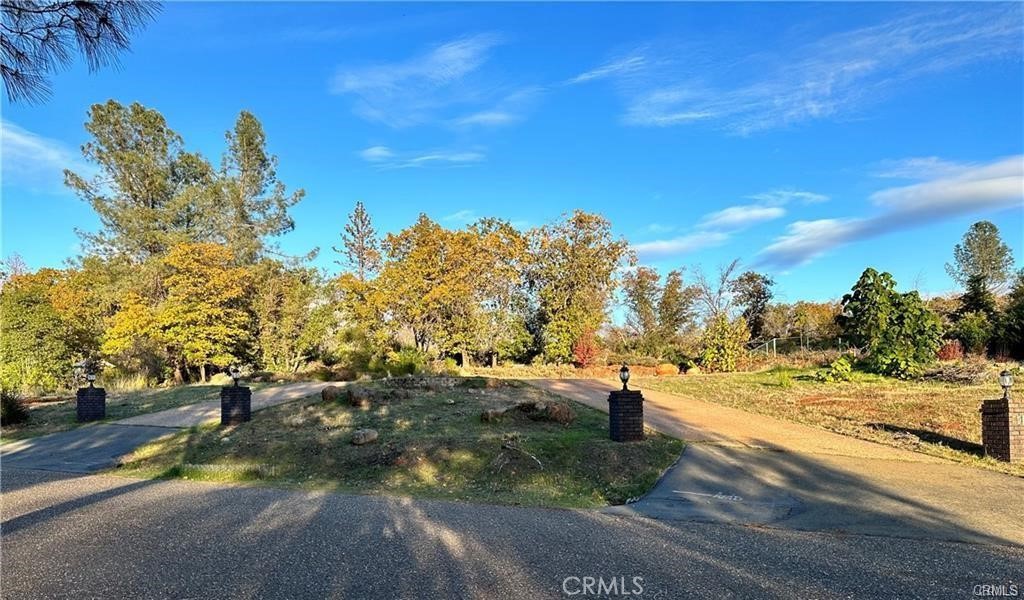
{"x": 432, "y": 443}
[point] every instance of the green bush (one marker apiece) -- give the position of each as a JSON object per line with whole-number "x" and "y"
{"x": 974, "y": 330}
{"x": 723, "y": 343}
{"x": 221, "y": 379}
{"x": 632, "y": 360}
{"x": 899, "y": 332}
{"x": 841, "y": 369}
{"x": 12, "y": 409}
{"x": 407, "y": 361}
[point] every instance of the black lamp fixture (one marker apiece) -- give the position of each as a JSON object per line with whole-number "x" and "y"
{"x": 624, "y": 376}
{"x": 1006, "y": 381}
{"x": 235, "y": 374}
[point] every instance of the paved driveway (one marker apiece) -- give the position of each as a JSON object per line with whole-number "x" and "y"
{"x": 110, "y": 537}
{"x": 91, "y": 448}
{"x": 745, "y": 468}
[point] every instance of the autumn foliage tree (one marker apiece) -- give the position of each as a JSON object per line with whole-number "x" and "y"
{"x": 36, "y": 343}
{"x": 572, "y": 273}
{"x": 202, "y": 320}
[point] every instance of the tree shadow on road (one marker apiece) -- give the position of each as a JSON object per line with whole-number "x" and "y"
{"x": 932, "y": 437}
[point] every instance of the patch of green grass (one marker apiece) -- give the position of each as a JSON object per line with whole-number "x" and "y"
{"x": 51, "y": 417}
{"x": 943, "y": 417}
{"x": 432, "y": 444}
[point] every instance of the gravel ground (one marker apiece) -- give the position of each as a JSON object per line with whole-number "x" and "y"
{"x": 110, "y": 537}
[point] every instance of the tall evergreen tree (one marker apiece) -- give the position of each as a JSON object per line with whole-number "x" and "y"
{"x": 1011, "y": 323}
{"x": 149, "y": 193}
{"x": 978, "y": 298}
{"x": 256, "y": 202}
{"x": 360, "y": 248}
{"x": 983, "y": 253}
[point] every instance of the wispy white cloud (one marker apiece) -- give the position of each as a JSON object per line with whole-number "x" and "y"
{"x": 680, "y": 245}
{"x": 446, "y": 157}
{"x": 36, "y": 162}
{"x": 661, "y": 228}
{"x": 738, "y": 217}
{"x": 462, "y": 216}
{"x": 980, "y": 187}
{"x": 511, "y": 108}
{"x": 617, "y": 67}
{"x": 384, "y": 157}
{"x": 716, "y": 228}
{"x": 377, "y": 154}
{"x": 920, "y": 168}
{"x": 488, "y": 118}
{"x": 785, "y": 196}
{"x": 827, "y": 77}
{"x": 974, "y": 189}
{"x": 414, "y": 91}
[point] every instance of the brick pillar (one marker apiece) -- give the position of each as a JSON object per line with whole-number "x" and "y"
{"x": 90, "y": 404}
{"x": 1002, "y": 429}
{"x": 626, "y": 415}
{"x": 235, "y": 405}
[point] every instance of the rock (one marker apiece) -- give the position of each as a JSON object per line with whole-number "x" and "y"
{"x": 542, "y": 410}
{"x": 359, "y": 397}
{"x": 666, "y": 369}
{"x": 364, "y": 436}
{"x": 491, "y": 415}
{"x": 331, "y": 393}
{"x": 560, "y": 413}
{"x": 694, "y": 370}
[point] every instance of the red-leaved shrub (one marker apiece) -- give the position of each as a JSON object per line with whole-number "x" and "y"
{"x": 585, "y": 350}
{"x": 951, "y": 350}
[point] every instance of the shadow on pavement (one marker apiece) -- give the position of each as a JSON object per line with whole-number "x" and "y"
{"x": 932, "y": 437}
{"x": 124, "y": 538}
{"x": 83, "y": 450}
{"x": 815, "y": 493}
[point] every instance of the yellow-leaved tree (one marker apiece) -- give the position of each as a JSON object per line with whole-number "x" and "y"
{"x": 203, "y": 320}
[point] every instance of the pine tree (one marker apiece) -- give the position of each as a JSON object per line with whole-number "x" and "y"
{"x": 981, "y": 253}
{"x": 360, "y": 247}
{"x": 978, "y": 298}
{"x": 256, "y": 201}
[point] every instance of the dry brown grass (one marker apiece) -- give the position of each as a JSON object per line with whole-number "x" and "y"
{"x": 934, "y": 417}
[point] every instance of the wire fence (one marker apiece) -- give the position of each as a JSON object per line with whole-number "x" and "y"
{"x": 796, "y": 343}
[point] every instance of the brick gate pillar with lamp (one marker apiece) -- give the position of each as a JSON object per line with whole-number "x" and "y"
{"x": 626, "y": 412}
{"x": 1002, "y": 424}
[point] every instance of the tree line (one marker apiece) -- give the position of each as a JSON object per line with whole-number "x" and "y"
{"x": 183, "y": 279}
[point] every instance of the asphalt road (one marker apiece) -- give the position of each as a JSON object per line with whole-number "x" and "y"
{"x": 753, "y": 469}
{"x": 108, "y": 537}
{"x": 94, "y": 447}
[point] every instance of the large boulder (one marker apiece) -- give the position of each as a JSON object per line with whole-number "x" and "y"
{"x": 666, "y": 369}
{"x": 360, "y": 397}
{"x": 364, "y": 436}
{"x": 332, "y": 393}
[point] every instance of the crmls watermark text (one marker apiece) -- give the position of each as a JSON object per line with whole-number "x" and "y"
{"x": 600, "y": 586}
{"x": 986, "y": 590}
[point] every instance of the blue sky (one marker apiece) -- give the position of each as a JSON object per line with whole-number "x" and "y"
{"x": 807, "y": 140}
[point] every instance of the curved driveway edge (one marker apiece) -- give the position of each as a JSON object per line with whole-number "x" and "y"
{"x": 740, "y": 467}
